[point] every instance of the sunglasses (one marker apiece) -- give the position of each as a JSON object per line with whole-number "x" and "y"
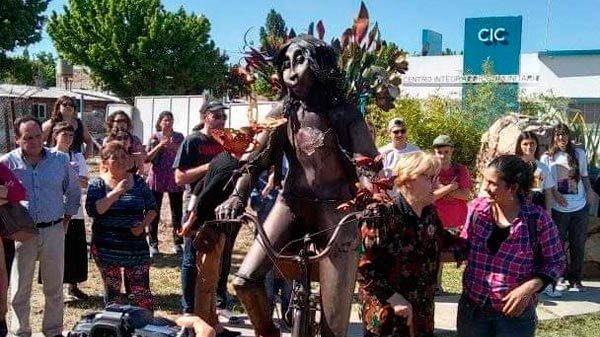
{"x": 399, "y": 131}
{"x": 219, "y": 116}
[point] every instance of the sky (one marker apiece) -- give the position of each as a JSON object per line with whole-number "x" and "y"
{"x": 569, "y": 24}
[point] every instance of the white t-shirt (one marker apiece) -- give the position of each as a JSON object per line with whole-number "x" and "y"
{"x": 573, "y": 191}
{"x": 391, "y": 156}
{"x": 80, "y": 166}
{"x": 542, "y": 179}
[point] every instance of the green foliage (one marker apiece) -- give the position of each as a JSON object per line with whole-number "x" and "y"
{"x": 488, "y": 99}
{"x": 274, "y": 32}
{"x": 545, "y": 106}
{"x": 20, "y": 22}
{"x": 264, "y": 88}
{"x": 427, "y": 119}
{"x": 136, "y": 47}
{"x": 21, "y": 70}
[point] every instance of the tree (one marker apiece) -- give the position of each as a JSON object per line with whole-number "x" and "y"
{"x": 274, "y": 31}
{"x": 20, "y": 23}
{"x": 21, "y": 70}
{"x": 136, "y": 47}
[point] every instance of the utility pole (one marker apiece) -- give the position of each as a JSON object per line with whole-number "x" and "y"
{"x": 548, "y": 15}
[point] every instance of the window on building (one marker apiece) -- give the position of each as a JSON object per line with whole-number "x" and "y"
{"x": 38, "y": 111}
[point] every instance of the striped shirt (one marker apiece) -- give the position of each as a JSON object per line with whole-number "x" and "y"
{"x": 112, "y": 239}
{"x": 489, "y": 277}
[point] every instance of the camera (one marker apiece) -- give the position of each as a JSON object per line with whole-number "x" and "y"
{"x": 126, "y": 321}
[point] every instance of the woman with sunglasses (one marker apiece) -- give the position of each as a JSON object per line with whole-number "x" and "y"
{"x": 64, "y": 111}
{"x": 119, "y": 120}
{"x": 568, "y": 166}
{"x": 398, "y": 266}
{"x": 128, "y": 141}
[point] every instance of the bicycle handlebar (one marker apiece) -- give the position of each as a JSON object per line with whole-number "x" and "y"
{"x": 273, "y": 254}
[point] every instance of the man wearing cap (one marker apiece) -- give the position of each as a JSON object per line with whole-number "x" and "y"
{"x": 398, "y": 147}
{"x": 453, "y": 191}
{"x": 191, "y": 165}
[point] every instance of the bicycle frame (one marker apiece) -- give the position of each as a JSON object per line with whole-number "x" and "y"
{"x": 304, "y": 303}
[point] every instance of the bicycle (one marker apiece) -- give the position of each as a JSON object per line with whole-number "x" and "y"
{"x": 304, "y": 302}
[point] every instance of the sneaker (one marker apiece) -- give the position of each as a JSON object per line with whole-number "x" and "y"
{"x": 154, "y": 251}
{"x": 78, "y": 294}
{"x": 228, "y": 333}
{"x": 177, "y": 249}
{"x": 552, "y": 292}
{"x": 560, "y": 287}
{"x": 576, "y": 287}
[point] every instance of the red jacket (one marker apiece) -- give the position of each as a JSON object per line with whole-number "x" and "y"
{"x": 16, "y": 191}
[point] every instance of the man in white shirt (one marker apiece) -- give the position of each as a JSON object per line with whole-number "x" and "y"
{"x": 398, "y": 147}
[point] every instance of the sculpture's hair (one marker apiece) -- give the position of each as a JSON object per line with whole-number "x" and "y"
{"x": 413, "y": 164}
{"x": 327, "y": 90}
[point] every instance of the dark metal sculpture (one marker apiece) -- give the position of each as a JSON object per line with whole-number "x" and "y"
{"x": 321, "y": 137}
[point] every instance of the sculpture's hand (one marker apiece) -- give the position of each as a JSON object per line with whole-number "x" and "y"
{"x": 231, "y": 208}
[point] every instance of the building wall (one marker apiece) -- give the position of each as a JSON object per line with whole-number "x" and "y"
{"x": 568, "y": 76}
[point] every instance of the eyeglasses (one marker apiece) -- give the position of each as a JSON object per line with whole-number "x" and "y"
{"x": 399, "y": 131}
{"x": 67, "y": 104}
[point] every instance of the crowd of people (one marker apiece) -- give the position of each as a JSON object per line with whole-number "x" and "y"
{"x": 511, "y": 234}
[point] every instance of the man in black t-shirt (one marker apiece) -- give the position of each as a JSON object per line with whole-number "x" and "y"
{"x": 217, "y": 185}
{"x": 190, "y": 166}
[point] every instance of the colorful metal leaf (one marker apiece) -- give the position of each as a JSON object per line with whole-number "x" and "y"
{"x": 346, "y": 37}
{"x": 373, "y": 35}
{"x": 311, "y": 28}
{"x": 320, "y": 30}
{"x": 291, "y": 34}
{"x": 361, "y": 24}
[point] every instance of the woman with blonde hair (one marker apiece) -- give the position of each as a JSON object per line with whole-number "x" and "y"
{"x": 399, "y": 260}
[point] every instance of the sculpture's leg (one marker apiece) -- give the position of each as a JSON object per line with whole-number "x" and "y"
{"x": 337, "y": 275}
{"x": 249, "y": 282}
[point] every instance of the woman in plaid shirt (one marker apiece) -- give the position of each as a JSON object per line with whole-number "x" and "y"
{"x": 507, "y": 266}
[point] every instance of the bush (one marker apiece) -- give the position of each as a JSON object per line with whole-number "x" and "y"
{"x": 429, "y": 118}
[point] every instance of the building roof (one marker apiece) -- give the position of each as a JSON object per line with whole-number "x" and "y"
{"x": 28, "y": 91}
{"x": 574, "y": 52}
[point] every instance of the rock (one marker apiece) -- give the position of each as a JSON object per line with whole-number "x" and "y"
{"x": 591, "y": 267}
{"x": 501, "y": 137}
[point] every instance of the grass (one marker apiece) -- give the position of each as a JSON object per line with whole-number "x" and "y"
{"x": 165, "y": 284}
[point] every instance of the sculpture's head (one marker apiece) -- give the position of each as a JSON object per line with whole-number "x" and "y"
{"x": 308, "y": 70}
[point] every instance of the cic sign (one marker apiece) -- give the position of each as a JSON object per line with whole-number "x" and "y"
{"x": 491, "y": 35}
{"x": 497, "y": 39}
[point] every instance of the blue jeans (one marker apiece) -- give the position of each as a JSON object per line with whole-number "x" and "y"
{"x": 476, "y": 322}
{"x": 188, "y": 276}
{"x": 273, "y": 286}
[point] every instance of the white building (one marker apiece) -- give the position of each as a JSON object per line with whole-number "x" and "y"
{"x": 574, "y": 74}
